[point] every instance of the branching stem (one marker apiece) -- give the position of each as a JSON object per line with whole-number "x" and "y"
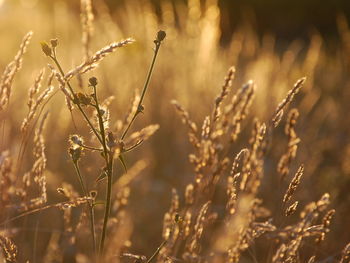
{"x": 76, "y": 100}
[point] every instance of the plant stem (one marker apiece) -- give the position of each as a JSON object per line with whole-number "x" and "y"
{"x": 81, "y": 181}
{"x": 109, "y": 162}
{"x": 100, "y": 121}
{"x": 139, "y": 106}
{"x": 75, "y": 99}
{"x": 108, "y": 203}
{"x": 157, "y": 251}
{"x": 133, "y": 147}
{"x": 91, "y": 148}
{"x": 92, "y": 226}
{"x": 91, "y": 207}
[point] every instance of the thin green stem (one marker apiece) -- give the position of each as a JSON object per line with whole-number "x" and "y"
{"x": 81, "y": 181}
{"x": 139, "y": 106}
{"x": 130, "y": 123}
{"x": 91, "y": 206}
{"x": 150, "y": 72}
{"x": 101, "y": 124}
{"x": 102, "y": 141}
{"x": 133, "y": 147}
{"x": 109, "y": 162}
{"x": 108, "y": 204}
{"x": 91, "y": 148}
{"x": 76, "y": 100}
{"x": 157, "y": 251}
{"x": 92, "y": 226}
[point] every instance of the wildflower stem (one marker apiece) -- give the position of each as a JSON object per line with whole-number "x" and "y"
{"x": 157, "y": 42}
{"x": 133, "y": 147}
{"x": 109, "y": 164}
{"x": 91, "y": 206}
{"x": 108, "y": 203}
{"x": 81, "y": 181}
{"x": 76, "y": 100}
{"x": 91, "y": 148}
{"x": 157, "y": 251}
{"x": 100, "y": 121}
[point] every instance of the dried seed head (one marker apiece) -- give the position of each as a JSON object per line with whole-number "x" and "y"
{"x": 312, "y": 259}
{"x": 323, "y": 202}
{"x": 223, "y": 94}
{"x": 189, "y": 194}
{"x": 345, "y": 254}
{"x": 280, "y": 108}
{"x": 328, "y": 218}
{"x": 94, "y": 60}
{"x": 86, "y": 18}
{"x": 286, "y": 159}
{"x": 291, "y": 209}
{"x": 9, "y": 249}
{"x": 76, "y": 139}
{"x": 190, "y": 124}
{"x": 174, "y": 201}
{"x": 277, "y": 119}
{"x": 10, "y": 71}
{"x": 178, "y": 218}
{"x": 293, "y": 184}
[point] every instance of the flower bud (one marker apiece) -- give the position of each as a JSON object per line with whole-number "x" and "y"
{"x": 75, "y": 153}
{"x": 54, "y": 42}
{"x": 93, "y": 194}
{"x": 160, "y": 35}
{"x": 141, "y": 108}
{"x": 93, "y": 81}
{"x": 46, "y": 48}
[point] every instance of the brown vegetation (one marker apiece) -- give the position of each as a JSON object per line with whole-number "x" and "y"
{"x": 85, "y": 175}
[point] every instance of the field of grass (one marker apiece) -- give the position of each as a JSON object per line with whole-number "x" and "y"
{"x": 135, "y": 135}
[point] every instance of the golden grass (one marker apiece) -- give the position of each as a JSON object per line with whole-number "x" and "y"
{"x": 239, "y": 197}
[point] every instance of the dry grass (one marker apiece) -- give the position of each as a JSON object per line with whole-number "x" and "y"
{"x": 258, "y": 186}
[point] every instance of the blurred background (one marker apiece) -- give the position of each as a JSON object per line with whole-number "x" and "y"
{"x": 271, "y": 42}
